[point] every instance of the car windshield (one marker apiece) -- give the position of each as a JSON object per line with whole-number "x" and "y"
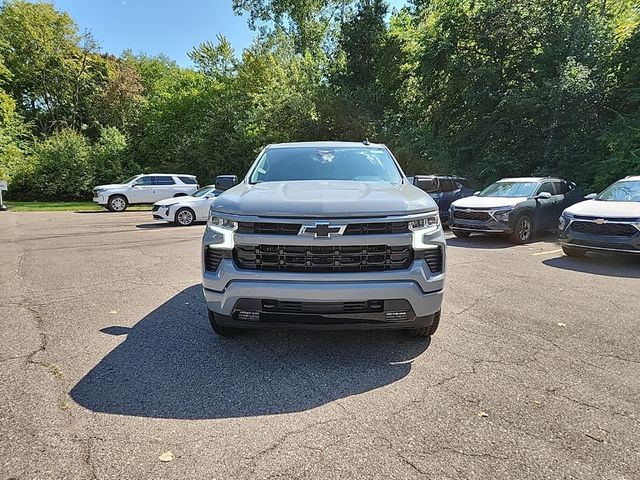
{"x": 363, "y": 164}
{"x": 129, "y": 180}
{"x": 510, "y": 189}
{"x": 203, "y": 191}
{"x": 623, "y": 191}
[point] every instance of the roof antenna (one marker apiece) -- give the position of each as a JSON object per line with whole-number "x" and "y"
{"x": 366, "y": 141}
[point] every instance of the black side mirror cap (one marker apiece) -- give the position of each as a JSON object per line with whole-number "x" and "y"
{"x": 225, "y": 182}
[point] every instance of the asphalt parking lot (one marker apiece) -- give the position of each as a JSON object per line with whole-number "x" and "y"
{"x": 107, "y": 362}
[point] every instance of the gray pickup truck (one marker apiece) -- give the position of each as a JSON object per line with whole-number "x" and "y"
{"x": 324, "y": 235}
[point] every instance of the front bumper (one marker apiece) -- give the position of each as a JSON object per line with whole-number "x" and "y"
{"x": 228, "y": 288}
{"x": 477, "y": 226}
{"x": 607, "y": 243}
{"x": 420, "y": 310}
{"x": 163, "y": 214}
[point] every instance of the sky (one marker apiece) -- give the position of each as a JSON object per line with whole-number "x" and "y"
{"x": 160, "y": 26}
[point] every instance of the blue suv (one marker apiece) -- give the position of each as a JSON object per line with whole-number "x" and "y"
{"x": 444, "y": 189}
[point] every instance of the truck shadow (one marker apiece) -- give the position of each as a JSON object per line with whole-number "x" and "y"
{"x": 172, "y": 366}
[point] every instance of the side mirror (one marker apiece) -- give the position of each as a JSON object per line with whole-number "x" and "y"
{"x": 225, "y": 182}
{"x": 543, "y": 196}
{"x": 591, "y": 196}
{"x": 475, "y": 194}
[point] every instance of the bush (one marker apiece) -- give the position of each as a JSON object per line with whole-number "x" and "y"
{"x": 110, "y": 161}
{"x": 61, "y": 169}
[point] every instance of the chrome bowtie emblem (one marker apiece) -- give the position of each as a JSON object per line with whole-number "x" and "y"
{"x": 468, "y": 210}
{"x": 322, "y": 230}
{"x": 600, "y": 221}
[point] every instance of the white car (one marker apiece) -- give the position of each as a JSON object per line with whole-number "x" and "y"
{"x": 609, "y": 221}
{"x": 144, "y": 189}
{"x": 186, "y": 210}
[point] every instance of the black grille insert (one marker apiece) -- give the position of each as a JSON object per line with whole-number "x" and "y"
{"x": 212, "y": 259}
{"x": 376, "y": 228}
{"x": 266, "y": 228}
{"x": 612, "y": 229}
{"x": 433, "y": 258}
{"x": 322, "y": 307}
{"x": 369, "y": 228}
{"x": 472, "y": 215}
{"x": 319, "y": 258}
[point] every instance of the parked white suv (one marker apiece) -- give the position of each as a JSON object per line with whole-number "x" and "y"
{"x": 144, "y": 189}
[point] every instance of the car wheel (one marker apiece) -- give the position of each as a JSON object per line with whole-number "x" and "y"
{"x": 118, "y": 203}
{"x": 214, "y": 320}
{"x": 574, "y": 252}
{"x": 522, "y": 230}
{"x": 185, "y": 217}
{"x": 460, "y": 234}
{"x": 427, "y": 331}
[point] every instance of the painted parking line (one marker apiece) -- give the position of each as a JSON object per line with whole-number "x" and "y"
{"x": 548, "y": 252}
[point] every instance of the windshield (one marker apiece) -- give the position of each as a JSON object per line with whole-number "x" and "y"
{"x": 203, "y": 191}
{"x": 623, "y": 191}
{"x": 510, "y": 189}
{"x": 315, "y": 163}
{"x": 129, "y": 180}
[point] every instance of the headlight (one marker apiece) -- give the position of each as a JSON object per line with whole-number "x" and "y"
{"x": 564, "y": 220}
{"x": 426, "y": 222}
{"x": 502, "y": 215}
{"x": 223, "y": 223}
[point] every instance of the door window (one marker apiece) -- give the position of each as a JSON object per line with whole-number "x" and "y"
{"x": 447, "y": 185}
{"x": 546, "y": 187}
{"x": 144, "y": 181}
{"x": 164, "y": 180}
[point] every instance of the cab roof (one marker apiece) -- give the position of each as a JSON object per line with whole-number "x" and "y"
{"x": 633, "y": 178}
{"x": 530, "y": 179}
{"x": 326, "y": 145}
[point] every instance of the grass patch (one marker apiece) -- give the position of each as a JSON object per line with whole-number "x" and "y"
{"x": 61, "y": 207}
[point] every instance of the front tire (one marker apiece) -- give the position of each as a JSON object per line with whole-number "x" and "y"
{"x": 427, "y": 331}
{"x": 117, "y": 203}
{"x": 574, "y": 252}
{"x": 185, "y": 217}
{"x": 522, "y": 230}
{"x": 214, "y": 320}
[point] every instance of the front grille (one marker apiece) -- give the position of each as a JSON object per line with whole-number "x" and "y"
{"x": 612, "y": 229}
{"x": 212, "y": 259}
{"x": 266, "y": 228}
{"x": 433, "y": 258}
{"x": 369, "y": 228}
{"x": 323, "y": 259}
{"x": 472, "y": 215}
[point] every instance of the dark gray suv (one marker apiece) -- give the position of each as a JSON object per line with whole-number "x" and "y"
{"x": 517, "y": 207}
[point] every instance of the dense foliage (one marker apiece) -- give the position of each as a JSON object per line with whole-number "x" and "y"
{"x": 481, "y": 88}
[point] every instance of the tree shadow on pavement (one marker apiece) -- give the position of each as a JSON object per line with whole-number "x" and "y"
{"x": 171, "y": 365}
{"x": 623, "y": 266}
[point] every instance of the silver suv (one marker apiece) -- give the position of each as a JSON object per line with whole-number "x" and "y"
{"x": 144, "y": 189}
{"x": 324, "y": 235}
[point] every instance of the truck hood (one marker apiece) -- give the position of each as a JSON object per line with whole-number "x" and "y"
{"x": 324, "y": 198}
{"x": 599, "y": 208}
{"x": 488, "y": 202}
{"x": 110, "y": 186}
